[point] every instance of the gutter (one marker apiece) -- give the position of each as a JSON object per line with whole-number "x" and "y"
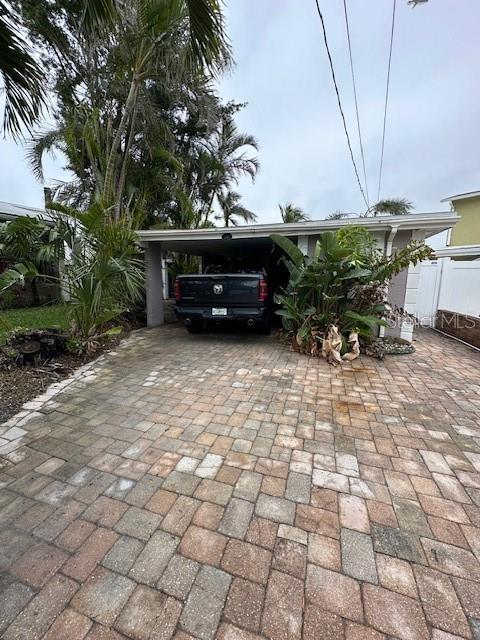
{"x": 312, "y": 227}
{"x": 390, "y": 239}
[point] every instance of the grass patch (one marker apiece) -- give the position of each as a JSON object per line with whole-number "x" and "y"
{"x": 54, "y": 315}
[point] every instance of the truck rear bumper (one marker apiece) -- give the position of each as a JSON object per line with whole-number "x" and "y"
{"x": 257, "y": 314}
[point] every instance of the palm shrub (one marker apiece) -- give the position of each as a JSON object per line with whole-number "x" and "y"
{"x": 27, "y": 240}
{"x": 342, "y": 287}
{"x": 103, "y": 273}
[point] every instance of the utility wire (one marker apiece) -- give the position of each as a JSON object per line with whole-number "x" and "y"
{"x": 340, "y": 103}
{"x": 386, "y": 99}
{"x": 356, "y": 101}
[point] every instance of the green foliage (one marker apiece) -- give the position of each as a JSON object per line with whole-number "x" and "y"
{"x": 22, "y": 78}
{"x": 297, "y": 259}
{"x": 181, "y": 263}
{"x": 25, "y": 238}
{"x": 103, "y": 273}
{"x": 291, "y": 213}
{"x": 385, "y": 207}
{"x": 338, "y": 215}
{"x": 46, "y": 317}
{"x": 137, "y": 117}
{"x": 232, "y": 211}
{"x": 391, "y": 207}
{"x": 17, "y": 275}
{"x": 343, "y": 284}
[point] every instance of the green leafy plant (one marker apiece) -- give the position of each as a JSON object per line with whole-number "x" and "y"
{"x": 103, "y": 267}
{"x": 343, "y": 285}
{"x": 28, "y": 241}
{"x": 290, "y": 213}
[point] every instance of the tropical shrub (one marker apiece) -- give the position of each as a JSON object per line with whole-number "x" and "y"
{"x": 340, "y": 292}
{"x": 102, "y": 274}
{"x": 26, "y": 239}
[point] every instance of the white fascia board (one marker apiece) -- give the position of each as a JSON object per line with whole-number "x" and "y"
{"x": 467, "y": 250}
{"x": 432, "y": 222}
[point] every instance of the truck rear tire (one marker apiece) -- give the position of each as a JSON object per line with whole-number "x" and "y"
{"x": 194, "y": 327}
{"x": 265, "y": 327}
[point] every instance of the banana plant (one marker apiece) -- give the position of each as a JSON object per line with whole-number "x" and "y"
{"x": 341, "y": 285}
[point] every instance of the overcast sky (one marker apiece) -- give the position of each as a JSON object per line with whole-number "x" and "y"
{"x": 433, "y": 129}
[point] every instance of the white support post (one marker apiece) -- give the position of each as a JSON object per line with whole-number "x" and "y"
{"x": 388, "y": 253}
{"x": 165, "y": 277}
{"x": 302, "y": 244}
{"x": 154, "y": 284}
{"x": 411, "y": 291}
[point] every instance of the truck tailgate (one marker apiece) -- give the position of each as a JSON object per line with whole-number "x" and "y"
{"x": 220, "y": 290}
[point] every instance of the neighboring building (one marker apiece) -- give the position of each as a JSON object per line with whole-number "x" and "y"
{"x": 9, "y": 211}
{"x": 448, "y": 290}
{"x": 466, "y": 232}
{"x": 23, "y": 296}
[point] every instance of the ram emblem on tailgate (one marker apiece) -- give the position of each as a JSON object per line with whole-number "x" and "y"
{"x": 218, "y": 288}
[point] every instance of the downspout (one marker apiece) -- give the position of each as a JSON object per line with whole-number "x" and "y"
{"x": 388, "y": 253}
{"x": 390, "y": 239}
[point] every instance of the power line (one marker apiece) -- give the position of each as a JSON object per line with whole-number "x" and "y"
{"x": 386, "y": 100}
{"x": 340, "y": 103}
{"x": 356, "y": 101}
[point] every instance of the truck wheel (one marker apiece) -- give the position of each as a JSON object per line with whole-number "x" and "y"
{"x": 265, "y": 327}
{"x": 194, "y": 327}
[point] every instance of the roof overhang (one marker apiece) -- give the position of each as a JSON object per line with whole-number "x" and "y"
{"x": 9, "y": 211}
{"x": 429, "y": 223}
{"x": 462, "y": 196}
{"x": 462, "y": 251}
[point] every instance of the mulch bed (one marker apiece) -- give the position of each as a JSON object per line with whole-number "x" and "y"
{"x": 21, "y": 384}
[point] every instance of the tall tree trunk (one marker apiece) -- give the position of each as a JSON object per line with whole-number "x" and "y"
{"x": 108, "y": 195}
{"x": 123, "y": 172}
{"x": 35, "y": 293}
{"x": 209, "y": 209}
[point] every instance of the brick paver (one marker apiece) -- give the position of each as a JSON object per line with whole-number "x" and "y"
{"x": 222, "y": 486}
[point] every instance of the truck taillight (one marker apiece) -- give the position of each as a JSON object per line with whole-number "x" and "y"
{"x": 262, "y": 290}
{"x": 178, "y": 290}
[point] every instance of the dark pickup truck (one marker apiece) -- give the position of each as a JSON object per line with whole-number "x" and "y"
{"x": 221, "y": 298}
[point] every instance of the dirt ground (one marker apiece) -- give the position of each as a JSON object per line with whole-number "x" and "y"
{"x": 21, "y": 384}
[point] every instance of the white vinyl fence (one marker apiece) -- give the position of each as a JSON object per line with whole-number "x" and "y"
{"x": 452, "y": 285}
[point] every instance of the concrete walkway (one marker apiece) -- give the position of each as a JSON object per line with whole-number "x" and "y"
{"x": 221, "y": 486}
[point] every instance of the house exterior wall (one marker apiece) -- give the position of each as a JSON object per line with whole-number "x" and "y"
{"x": 403, "y": 289}
{"x": 398, "y": 284}
{"x": 467, "y": 230}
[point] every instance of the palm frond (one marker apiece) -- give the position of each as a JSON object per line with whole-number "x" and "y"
{"x": 22, "y": 78}
{"x": 40, "y": 144}
{"x": 98, "y": 15}
{"x": 208, "y": 41}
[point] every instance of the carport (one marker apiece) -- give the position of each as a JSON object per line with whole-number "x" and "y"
{"x": 390, "y": 232}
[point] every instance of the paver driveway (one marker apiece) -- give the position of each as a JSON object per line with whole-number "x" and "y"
{"x": 222, "y": 486}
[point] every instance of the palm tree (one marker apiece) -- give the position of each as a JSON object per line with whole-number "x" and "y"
{"x": 391, "y": 207}
{"x": 155, "y": 26}
{"x": 291, "y": 213}
{"x": 172, "y": 35}
{"x": 232, "y": 210}
{"x": 338, "y": 215}
{"x": 227, "y": 151}
{"x": 229, "y": 159}
{"x": 20, "y": 75}
{"x": 22, "y": 78}
{"x": 26, "y": 240}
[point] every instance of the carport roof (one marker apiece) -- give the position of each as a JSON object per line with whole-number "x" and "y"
{"x": 430, "y": 223}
